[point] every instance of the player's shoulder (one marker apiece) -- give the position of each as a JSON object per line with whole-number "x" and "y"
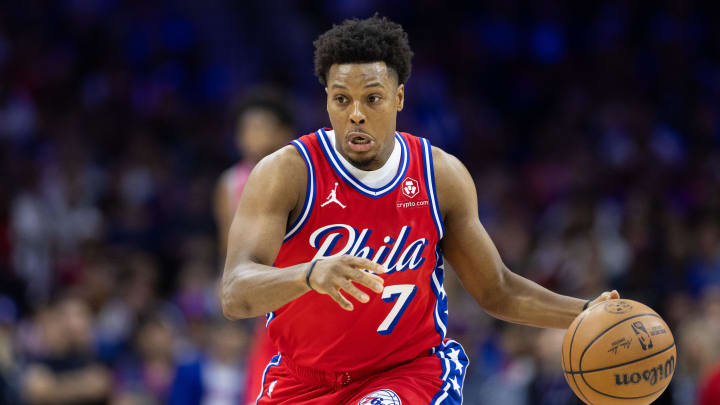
{"x": 281, "y": 174}
{"x": 282, "y": 169}
{"x": 284, "y": 159}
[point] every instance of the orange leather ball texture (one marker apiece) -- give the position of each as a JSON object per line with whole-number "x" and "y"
{"x": 618, "y": 352}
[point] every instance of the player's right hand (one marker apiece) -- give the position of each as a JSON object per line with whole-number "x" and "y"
{"x": 340, "y": 273}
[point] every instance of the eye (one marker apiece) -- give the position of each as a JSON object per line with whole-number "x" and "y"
{"x": 374, "y": 98}
{"x": 340, "y": 99}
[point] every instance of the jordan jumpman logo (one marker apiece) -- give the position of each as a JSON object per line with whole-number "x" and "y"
{"x": 333, "y": 198}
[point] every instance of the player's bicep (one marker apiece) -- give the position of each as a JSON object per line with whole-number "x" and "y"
{"x": 260, "y": 221}
{"x": 466, "y": 244}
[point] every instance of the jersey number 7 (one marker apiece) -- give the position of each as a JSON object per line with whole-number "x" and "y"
{"x": 402, "y": 294}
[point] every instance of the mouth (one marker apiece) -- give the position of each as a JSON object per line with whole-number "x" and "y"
{"x": 359, "y": 142}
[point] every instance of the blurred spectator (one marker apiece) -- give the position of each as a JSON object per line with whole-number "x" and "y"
{"x": 9, "y": 367}
{"x": 147, "y": 371}
{"x": 510, "y": 378}
{"x": 64, "y": 368}
{"x": 213, "y": 379}
{"x": 32, "y": 238}
{"x": 549, "y": 386}
{"x": 704, "y": 268}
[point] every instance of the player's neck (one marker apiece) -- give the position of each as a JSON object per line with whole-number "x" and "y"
{"x": 372, "y": 178}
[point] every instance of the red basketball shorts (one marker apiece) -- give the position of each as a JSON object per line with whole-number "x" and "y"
{"x": 435, "y": 378}
{"x": 261, "y": 351}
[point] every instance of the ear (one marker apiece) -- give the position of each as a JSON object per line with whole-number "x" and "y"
{"x": 400, "y": 97}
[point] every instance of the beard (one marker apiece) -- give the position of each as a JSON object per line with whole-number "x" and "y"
{"x": 364, "y": 164}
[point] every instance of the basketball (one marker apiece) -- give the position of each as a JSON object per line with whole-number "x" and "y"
{"x": 618, "y": 352}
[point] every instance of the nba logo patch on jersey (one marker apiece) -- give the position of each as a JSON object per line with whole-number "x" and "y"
{"x": 381, "y": 397}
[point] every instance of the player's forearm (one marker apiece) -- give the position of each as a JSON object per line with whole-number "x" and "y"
{"x": 525, "y": 302}
{"x": 250, "y": 289}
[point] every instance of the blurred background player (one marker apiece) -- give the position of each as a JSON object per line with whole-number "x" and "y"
{"x": 265, "y": 123}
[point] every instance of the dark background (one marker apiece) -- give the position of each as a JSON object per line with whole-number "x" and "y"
{"x": 592, "y": 132}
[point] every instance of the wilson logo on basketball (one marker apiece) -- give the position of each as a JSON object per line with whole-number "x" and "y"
{"x": 643, "y": 335}
{"x": 651, "y": 376}
{"x": 411, "y": 188}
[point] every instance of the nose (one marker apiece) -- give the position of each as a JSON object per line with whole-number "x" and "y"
{"x": 356, "y": 115}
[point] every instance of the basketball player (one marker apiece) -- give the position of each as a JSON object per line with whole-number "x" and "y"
{"x": 264, "y": 124}
{"x": 341, "y": 237}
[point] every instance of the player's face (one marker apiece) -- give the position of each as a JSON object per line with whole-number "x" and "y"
{"x": 363, "y": 100}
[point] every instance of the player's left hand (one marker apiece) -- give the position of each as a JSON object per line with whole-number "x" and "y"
{"x": 606, "y": 296}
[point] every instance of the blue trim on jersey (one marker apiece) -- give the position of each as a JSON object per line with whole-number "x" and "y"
{"x": 440, "y": 312}
{"x": 275, "y": 361}
{"x": 430, "y": 186}
{"x": 332, "y": 158}
{"x": 309, "y": 192}
{"x": 269, "y": 317}
{"x": 454, "y": 363}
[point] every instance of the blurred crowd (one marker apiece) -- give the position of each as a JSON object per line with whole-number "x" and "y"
{"x": 592, "y": 132}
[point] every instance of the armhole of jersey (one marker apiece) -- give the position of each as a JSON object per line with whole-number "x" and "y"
{"x": 309, "y": 192}
{"x": 430, "y": 187}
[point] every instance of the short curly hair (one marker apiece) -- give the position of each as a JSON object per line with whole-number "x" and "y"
{"x": 374, "y": 39}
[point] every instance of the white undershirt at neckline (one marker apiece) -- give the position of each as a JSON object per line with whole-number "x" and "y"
{"x": 372, "y": 178}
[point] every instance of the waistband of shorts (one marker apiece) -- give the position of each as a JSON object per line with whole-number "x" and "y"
{"x": 338, "y": 379}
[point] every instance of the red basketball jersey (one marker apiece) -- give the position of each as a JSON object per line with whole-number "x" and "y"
{"x": 398, "y": 225}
